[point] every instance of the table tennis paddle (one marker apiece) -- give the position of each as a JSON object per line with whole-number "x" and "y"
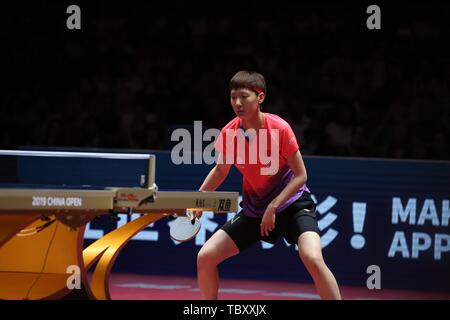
{"x": 184, "y": 228}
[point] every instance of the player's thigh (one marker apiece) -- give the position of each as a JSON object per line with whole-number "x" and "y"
{"x": 219, "y": 247}
{"x": 309, "y": 246}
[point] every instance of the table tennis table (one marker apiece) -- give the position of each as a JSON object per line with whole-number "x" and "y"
{"x": 46, "y": 200}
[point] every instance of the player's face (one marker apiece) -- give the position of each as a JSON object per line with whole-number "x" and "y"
{"x": 245, "y": 103}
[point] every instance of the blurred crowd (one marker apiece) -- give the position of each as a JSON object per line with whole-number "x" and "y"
{"x": 128, "y": 78}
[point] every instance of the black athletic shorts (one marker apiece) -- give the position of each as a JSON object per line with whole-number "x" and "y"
{"x": 299, "y": 217}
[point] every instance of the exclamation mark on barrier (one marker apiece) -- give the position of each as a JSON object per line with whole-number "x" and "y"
{"x": 359, "y": 213}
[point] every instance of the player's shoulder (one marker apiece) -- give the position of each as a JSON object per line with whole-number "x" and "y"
{"x": 276, "y": 121}
{"x": 233, "y": 124}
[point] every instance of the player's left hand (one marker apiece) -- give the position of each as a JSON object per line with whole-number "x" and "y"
{"x": 268, "y": 220}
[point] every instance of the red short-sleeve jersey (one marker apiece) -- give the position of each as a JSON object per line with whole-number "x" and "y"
{"x": 261, "y": 157}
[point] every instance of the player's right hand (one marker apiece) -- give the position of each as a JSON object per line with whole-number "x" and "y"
{"x": 192, "y": 214}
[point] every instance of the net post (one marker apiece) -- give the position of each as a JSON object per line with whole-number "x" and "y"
{"x": 151, "y": 171}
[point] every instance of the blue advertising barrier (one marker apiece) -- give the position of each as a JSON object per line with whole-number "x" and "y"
{"x": 385, "y": 215}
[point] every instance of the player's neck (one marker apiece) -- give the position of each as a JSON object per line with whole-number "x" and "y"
{"x": 256, "y": 122}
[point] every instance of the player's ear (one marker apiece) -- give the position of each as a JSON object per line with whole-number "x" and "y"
{"x": 261, "y": 97}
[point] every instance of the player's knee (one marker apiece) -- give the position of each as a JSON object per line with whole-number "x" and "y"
{"x": 206, "y": 257}
{"x": 313, "y": 261}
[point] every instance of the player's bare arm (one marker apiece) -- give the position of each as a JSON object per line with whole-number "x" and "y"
{"x": 214, "y": 179}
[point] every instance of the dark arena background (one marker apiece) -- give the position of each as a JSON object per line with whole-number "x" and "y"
{"x": 369, "y": 105}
